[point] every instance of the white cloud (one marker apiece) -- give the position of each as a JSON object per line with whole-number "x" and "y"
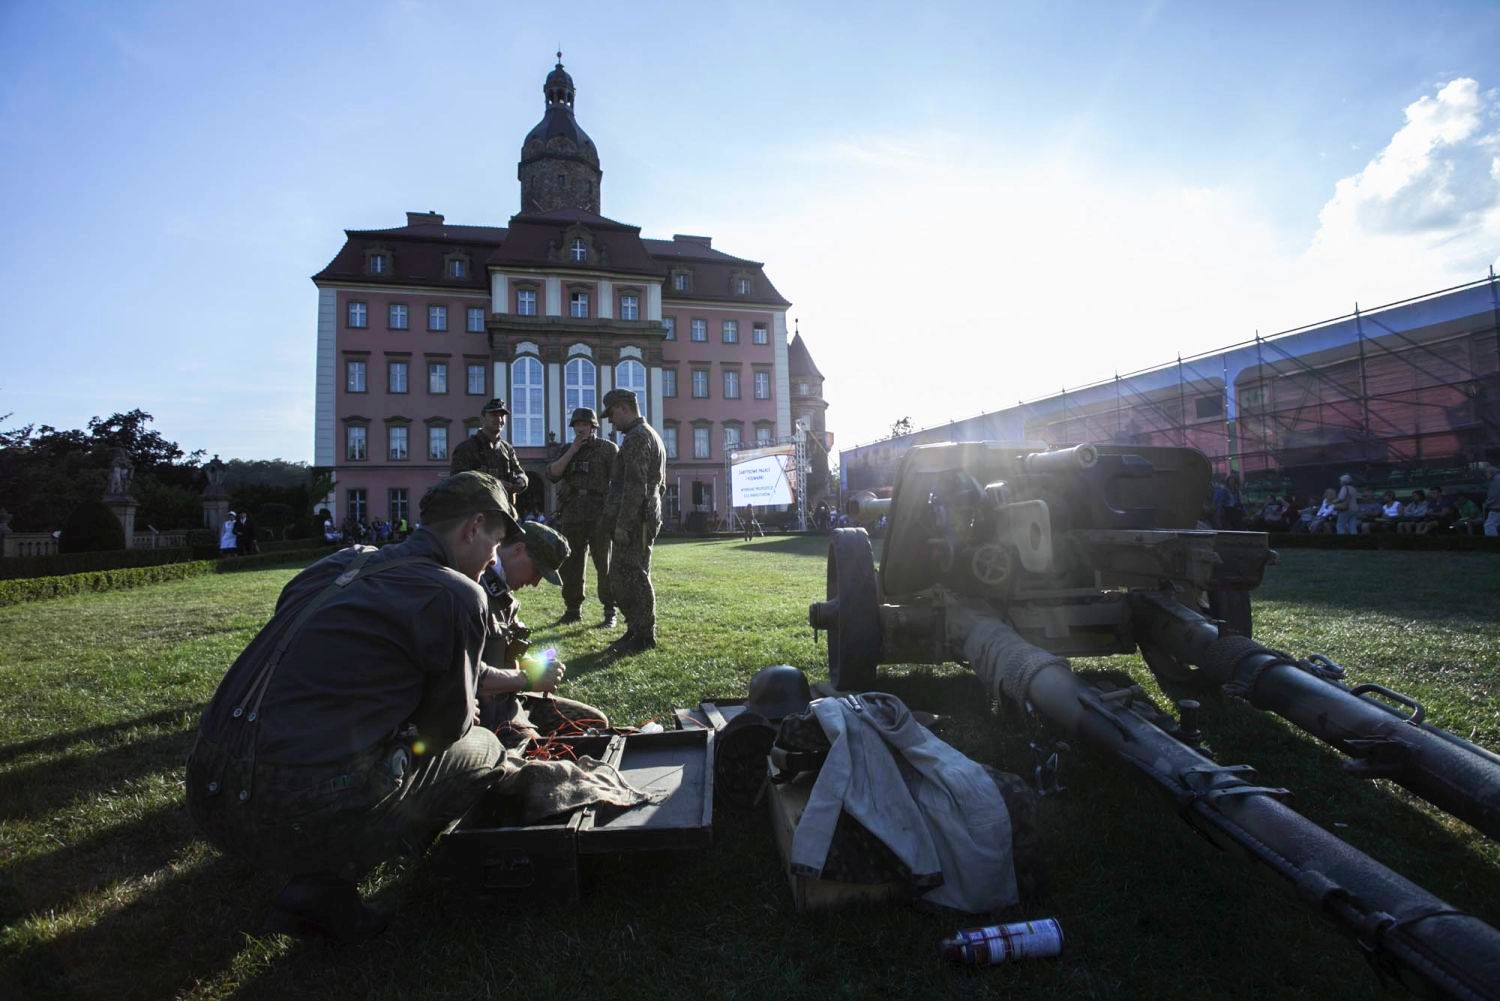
{"x": 941, "y": 278}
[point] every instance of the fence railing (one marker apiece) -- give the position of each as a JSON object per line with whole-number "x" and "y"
{"x": 30, "y": 544}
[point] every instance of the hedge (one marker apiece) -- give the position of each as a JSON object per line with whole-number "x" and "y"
{"x": 14, "y": 592}
{"x": 76, "y": 563}
{"x": 1387, "y": 541}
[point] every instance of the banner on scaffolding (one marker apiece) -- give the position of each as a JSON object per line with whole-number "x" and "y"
{"x": 764, "y": 476}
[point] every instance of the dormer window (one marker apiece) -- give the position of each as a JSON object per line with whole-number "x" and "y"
{"x": 680, "y": 281}
{"x": 379, "y": 264}
{"x": 742, "y": 286}
{"x": 579, "y": 252}
{"x": 457, "y": 268}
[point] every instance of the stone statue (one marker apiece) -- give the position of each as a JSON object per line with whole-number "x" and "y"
{"x": 120, "y": 471}
{"x": 214, "y": 470}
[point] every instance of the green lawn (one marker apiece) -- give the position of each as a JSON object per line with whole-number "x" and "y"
{"x": 106, "y": 892}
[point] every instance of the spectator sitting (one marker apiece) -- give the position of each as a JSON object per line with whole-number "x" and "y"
{"x": 1322, "y": 522}
{"x": 1415, "y": 513}
{"x": 1387, "y": 519}
{"x": 1441, "y": 513}
{"x": 1272, "y": 516}
{"x": 1470, "y": 517}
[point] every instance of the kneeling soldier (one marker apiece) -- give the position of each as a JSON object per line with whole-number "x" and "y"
{"x": 583, "y": 472}
{"x": 344, "y": 731}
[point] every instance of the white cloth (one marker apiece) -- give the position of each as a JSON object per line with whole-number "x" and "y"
{"x": 226, "y": 536}
{"x": 936, "y": 810}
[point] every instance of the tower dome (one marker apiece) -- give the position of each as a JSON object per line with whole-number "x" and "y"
{"x": 559, "y": 165}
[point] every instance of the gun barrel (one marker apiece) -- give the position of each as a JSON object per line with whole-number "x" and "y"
{"x": 1449, "y": 772}
{"x": 865, "y": 508}
{"x": 1423, "y": 941}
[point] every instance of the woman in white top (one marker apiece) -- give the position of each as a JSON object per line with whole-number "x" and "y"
{"x": 227, "y": 542}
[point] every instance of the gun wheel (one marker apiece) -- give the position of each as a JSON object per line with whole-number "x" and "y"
{"x": 854, "y": 634}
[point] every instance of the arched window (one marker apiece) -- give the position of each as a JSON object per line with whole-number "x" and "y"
{"x": 581, "y": 386}
{"x": 631, "y": 374}
{"x": 527, "y": 414}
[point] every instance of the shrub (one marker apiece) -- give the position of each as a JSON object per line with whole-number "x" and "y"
{"x": 13, "y": 592}
{"x": 73, "y": 563}
{"x": 91, "y": 528}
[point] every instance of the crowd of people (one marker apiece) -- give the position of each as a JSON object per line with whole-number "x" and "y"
{"x": 1345, "y": 510}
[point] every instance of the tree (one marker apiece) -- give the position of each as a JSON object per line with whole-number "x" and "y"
{"x": 901, "y": 427}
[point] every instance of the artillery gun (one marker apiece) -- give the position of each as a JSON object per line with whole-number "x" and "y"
{"x": 1010, "y": 557}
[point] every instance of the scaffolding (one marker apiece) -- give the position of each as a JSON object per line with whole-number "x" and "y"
{"x": 1409, "y": 387}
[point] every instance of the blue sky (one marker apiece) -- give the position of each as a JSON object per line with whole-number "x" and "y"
{"x": 968, "y": 203}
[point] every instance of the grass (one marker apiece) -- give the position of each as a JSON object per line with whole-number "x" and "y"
{"x": 105, "y": 890}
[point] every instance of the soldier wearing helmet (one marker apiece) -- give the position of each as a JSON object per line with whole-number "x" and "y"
{"x": 583, "y": 473}
{"x": 634, "y": 510}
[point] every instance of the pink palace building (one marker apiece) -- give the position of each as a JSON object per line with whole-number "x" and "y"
{"x": 420, "y": 325}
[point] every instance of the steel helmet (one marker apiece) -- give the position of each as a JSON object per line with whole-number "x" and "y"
{"x": 778, "y": 691}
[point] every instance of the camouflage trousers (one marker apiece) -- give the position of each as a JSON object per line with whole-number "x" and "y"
{"x": 585, "y": 539}
{"x": 338, "y": 819}
{"x": 630, "y": 579}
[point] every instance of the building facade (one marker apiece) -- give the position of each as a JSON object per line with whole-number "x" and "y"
{"x": 420, "y": 325}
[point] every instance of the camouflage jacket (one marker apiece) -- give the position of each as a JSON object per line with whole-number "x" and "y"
{"x": 584, "y": 485}
{"x": 635, "y": 489}
{"x": 498, "y": 460}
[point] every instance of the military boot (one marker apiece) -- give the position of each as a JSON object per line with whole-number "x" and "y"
{"x": 633, "y": 643}
{"x": 571, "y": 615}
{"x": 609, "y": 619}
{"x": 327, "y": 907}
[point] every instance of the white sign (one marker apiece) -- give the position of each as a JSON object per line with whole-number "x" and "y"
{"x": 762, "y": 481}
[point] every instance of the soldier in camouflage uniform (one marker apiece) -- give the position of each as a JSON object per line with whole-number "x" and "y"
{"x": 634, "y": 509}
{"x": 487, "y": 452}
{"x": 584, "y": 471}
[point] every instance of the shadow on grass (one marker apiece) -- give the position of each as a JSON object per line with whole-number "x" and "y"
{"x": 800, "y": 545}
{"x": 47, "y": 786}
{"x": 60, "y": 741}
{"x": 189, "y": 922}
{"x": 54, "y": 881}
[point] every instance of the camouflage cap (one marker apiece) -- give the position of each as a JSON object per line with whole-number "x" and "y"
{"x": 583, "y": 415}
{"x": 494, "y": 405}
{"x": 615, "y": 396}
{"x": 547, "y": 549}
{"x": 469, "y": 492}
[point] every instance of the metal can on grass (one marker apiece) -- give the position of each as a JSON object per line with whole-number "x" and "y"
{"x": 994, "y": 944}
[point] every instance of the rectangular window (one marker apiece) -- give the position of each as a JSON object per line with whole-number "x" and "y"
{"x": 474, "y": 381}
{"x": 437, "y": 377}
{"x": 377, "y": 264}
{"x": 356, "y": 438}
{"x": 731, "y": 330}
{"x": 731, "y": 384}
{"x": 700, "y": 330}
{"x": 679, "y": 282}
{"x": 578, "y": 304}
{"x": 758, "y": 335}
{"x": 457, "y": 268}
{"x": 355, "y": 503}
{"x": 630, "y": 307}
{"x": 762, "y": 385}
{"x": 359, "y": 314}
{"x": 1208, "y": 406}
{"x": 396, "y": 316}
{"x": 354, "y": 376}
{"x": 669, "y": 440}
{"x": 700, "y": 443}
{"x": 669, "y": 323}
{"x": 437, "y": 317}
{"x": 437, "y": 442}
{"x": 742, "y": 286}
{"x": 395, "y": 502}
{"x": 526, "y": 302}
{"x": 762, "y": 435}
{"x": 395, "y": 375}
{"x": 476, "y": 319}
{"x": 398, "y": 434}
{"x": 700, "y": 383}
{"x": 731, "y": 437}
{"x": 671, "y": 508}
{"x": 669, "y": 382}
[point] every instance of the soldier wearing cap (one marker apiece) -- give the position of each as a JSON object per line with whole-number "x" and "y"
{"x": 583, "y": 472}
{"x": 634, "y": 511}
{"x": 486, "y": 451}
{"x": 344, "y": 731}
